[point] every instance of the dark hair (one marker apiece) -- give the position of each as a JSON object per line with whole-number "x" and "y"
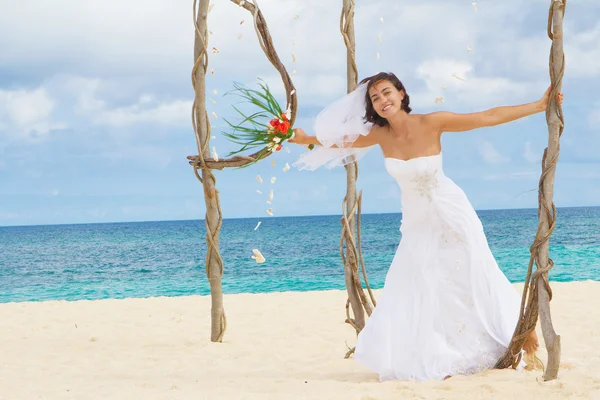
{"x": 371, "y": 115}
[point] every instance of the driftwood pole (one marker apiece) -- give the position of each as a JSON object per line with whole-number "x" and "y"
{"x": 547, "y": 210}
{"x": 203, "y": 164}
{"x": 537, "y": 292}
{"x": 214, "y": 217}
{"x": 351, "y": 205}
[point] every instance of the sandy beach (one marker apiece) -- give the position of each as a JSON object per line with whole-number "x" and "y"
{"x": 277, "y": 346}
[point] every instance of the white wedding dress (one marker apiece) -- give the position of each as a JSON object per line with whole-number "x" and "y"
{"x": 446, "y": 308}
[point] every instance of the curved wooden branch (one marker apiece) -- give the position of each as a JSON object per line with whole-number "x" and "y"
{"x": 537, "y": 292}
{"x": 266, "y": 43}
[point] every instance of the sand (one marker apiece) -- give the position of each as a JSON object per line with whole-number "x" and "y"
{"x": 277, "y": 346}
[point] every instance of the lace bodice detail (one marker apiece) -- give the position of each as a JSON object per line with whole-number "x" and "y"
{"x": 418, "y": 177}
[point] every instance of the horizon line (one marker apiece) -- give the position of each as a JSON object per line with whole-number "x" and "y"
{"x": 281, "y": 216}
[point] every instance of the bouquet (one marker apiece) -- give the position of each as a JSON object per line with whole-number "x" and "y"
{"x": 269, "y": 127}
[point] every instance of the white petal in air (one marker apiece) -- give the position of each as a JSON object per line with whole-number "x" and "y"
{"x": 287, "y": 167}
{"x": 258, "y": 191}
{"x": 474, "y": 6}
{"x": 214, "y": 115}
{"x": 469, "y": 49}
{"x": 240, "y": 36}
{"x": 214, "y": 91}
{"x": 439, "y": 100}
{"x": 270, "y": 197}
{"x": 258, "y": 257}
{"x": 378, "y": 56}
{"x": 293, "y": 73}
{"x": 257, "y": 225}
{"x": 293, "y": 57}
{"x": 258, "y": 178}
{"x": 380, "y": 38}
{"x": 270, "y": 212}
{"x": 381, "y": 19}
{"x": 273, "y": 179}
{"x": 212, "y": 101}
{"x": 458, "y": 77}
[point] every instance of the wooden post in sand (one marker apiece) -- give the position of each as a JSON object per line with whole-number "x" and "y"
{"x": 203, "y": 161}
{"x": 351, "y": 204}
{"x": 547, "y": 210}
{"x": 536, "y": 292}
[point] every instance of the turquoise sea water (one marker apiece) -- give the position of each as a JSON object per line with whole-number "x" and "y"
{"x": 96, "y": 261}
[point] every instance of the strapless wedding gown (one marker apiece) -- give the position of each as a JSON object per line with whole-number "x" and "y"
{"x": 446, "y": 308}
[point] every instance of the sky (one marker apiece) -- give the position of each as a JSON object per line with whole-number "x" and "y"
{"x": 96, "y": 97}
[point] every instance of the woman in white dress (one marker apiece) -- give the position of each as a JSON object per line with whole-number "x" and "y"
{"x": 446, "y": 308}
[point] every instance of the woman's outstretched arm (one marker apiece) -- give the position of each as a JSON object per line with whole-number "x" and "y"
{"x": 300, "y": 137}
{"x": 450, "y": 122}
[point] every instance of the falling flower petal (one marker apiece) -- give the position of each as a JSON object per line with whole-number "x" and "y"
{"x": 458, "y": 77}
{"x": 270, "y": 197}
{"x": 296, "y": 16}
{"x": 257, "y": 225}
{"x": 213, "y": 137}
{"x": 272, "y": 163}
{"x": 273, "y": 179}
{"x": 381, "y": 19}
{"x": 240, "y": 36}
{"x": 439, "y": 100}
{"x": 474, "y": 6}
{"x": 287, "y": 167}
{"x": 259, "y": 179}
{"x": 214, "y": 115}
{"x": 293, "y": 57}
{"x": 270, "y": 212}
{"x": 380, "y": 38}
{"x": 378, "y": 56}
{"x": 214, "y": 91}
{"x": 212, "y": 101}
{"x": 214, "y": 154}
{"x": 215, "y": 50}
{"x": 242, "y": 21}
{"x": 469, "y": 49}
{"x": 293, "y": 73}
{"x": 258, "y": 191}
{"x": 258, "y": 257}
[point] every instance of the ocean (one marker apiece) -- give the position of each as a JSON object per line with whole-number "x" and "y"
{"x": 147, "y": 259}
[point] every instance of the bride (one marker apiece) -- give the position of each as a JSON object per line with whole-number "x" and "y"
{"x": 446, "y": 308}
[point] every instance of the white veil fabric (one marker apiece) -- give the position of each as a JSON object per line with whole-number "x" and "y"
{"x": 339, "y": 124}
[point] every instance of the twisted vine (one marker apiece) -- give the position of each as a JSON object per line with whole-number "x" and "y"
{"x": 530, "y": 305}
{"x": 203, "y": 162}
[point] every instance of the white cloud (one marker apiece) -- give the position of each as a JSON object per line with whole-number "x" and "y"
{"x": 490, "y": 155}
{"x": 27, "y": 114}
{"x": 145, "y": 111}
{"x": 457, "y": 82}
